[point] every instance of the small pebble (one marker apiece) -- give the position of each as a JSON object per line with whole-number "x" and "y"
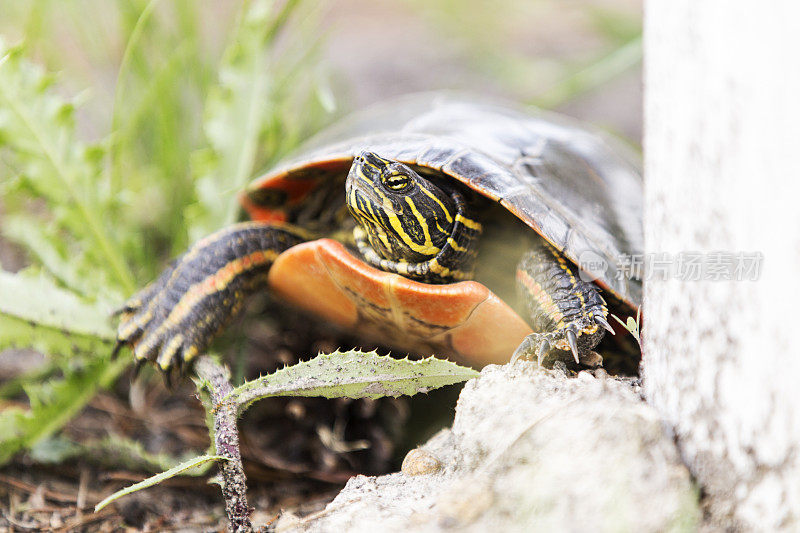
{"x": 419, "y": 462}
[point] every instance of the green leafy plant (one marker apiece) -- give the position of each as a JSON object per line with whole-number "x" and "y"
{"x": 59, "y": 306}
{"x": 350, "y": 374}
{"x": 97, "y": 219}
{"x": 633, "y": 325}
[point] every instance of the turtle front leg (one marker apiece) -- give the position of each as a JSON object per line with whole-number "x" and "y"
{"x": 566, "y": 312}
{"x": 178, "y": 315}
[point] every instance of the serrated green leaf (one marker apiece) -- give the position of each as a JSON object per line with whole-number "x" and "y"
{"x": 37, "y": 127}
{"x": 354, "y": 374}
{"x": 64, "y": 263}
{"x": 53, "y": 404}
{"x": 16, "y": 385}
{"x": 35, "y": 313}
{"x": 158, "y": 478}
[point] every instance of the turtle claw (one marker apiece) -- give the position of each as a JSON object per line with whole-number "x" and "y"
{"x": 572, "y": 339}
{"x": 534, "y": 343}
{"x": 577, "y": 337}
{"x": 170, "y": 351}
{"x": 137, "y": 368}
{"x": 544, "y": 347}
{"x": 144, "y": 326}
{"x": 117, "y": 347}
{"x": 603, "y": 322}
{"x": 522, "y": 350}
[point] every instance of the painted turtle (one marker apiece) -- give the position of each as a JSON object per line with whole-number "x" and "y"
{"x": 383, "y": 221}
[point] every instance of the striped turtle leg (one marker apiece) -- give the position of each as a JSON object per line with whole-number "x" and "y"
{"x": 566, "y": 312}
{"x": 178, "y": 315}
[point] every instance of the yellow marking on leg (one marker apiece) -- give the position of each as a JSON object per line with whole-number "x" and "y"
{"x": 168, "y": 352}
{"x": 208, "y": 286}
{"x": 542, "y": 297}
{"x": 140, "y": 320}
{"x": 127, "y": 329}
{"x": 216, "y": 237}
{"x": 135, "y": 302}
{"x": 219, "y": 281}
{"x": 190, "y": 353}
{"x": 562, "y": 263}
{"x": 468, "y": 222}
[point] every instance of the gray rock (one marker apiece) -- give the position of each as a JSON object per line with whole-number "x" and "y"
{"x": 529, "y": 450}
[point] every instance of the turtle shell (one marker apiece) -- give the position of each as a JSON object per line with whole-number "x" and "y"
{"x": 575, "y": 187}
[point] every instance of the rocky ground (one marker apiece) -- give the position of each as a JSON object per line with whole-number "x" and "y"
{"x": 529, "y": 450}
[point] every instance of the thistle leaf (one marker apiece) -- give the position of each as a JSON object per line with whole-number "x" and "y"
{"x": 53, "y": 404}
{"x": 57, "y": 259}
{"x": 35, "y": 313}
{"x": 354, "y": 374}
{"x": 37, "y": 127}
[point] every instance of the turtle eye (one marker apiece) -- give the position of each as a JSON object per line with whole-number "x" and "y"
{"x": 397, "y": 182}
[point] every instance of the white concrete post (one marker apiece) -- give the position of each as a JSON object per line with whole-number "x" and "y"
{"x": 722, "y": 167}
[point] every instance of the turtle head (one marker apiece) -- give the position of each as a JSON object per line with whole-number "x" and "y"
{"x": 404, "y": 216}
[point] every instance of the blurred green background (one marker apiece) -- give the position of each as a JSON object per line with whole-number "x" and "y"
{"x": 144, "y": 72}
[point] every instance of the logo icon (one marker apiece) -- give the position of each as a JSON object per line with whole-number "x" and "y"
{"x": 592, "y": 265}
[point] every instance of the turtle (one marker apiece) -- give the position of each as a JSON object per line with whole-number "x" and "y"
{"x": 435, "y": 224}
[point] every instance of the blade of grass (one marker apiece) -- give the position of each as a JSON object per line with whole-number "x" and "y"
{"x": 599, "y": 72}
{"x": 247, "y": 156}
{"x": 158, "y": 478}
{"x": 124, "y": 67}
